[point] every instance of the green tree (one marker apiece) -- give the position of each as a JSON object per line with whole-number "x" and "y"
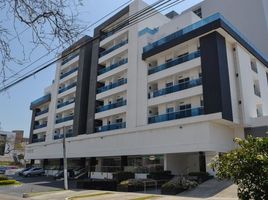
{"x": 247, "y": 166}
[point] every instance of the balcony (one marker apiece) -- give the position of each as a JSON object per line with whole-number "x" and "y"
{"x": 110, "y": 33}
{"x": 67, "y": 88}
{"x": 40, "y": 126}
{"x": 60, "y": 105}
{"x": 64, "y": 119}
{"x": 113, "y": 48}
{"x": 112, "y": 85}
{"x": 113, "y": 66}
{"x": 174, "y": 62}
{"x": 176, "y": 88}
{"x": 37, "y": 140}
{"x": 111, "y": 127}
{"x": 67, "y": 135}
{"x": 70, "y": 57}
{"x": 111, "y": 106}
{"x": 68, "y": 73}
{"x": 40, "y": 101}
{"x": 176, "y": 115}
{"x": 41, "y": 112}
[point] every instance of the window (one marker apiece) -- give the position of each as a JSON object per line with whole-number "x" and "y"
{"x": 169, "y": 84}
{"x": 183, "y": 80}
{"x": 198, "y": 12}
{"x": 185, "y": 107}
{"x": 253, "y": 65}
{"x": 267, "y": 77}
{"x": 170, "y": 110}
{"x": 119, "y": 120}
{"x": 182, "y": 55}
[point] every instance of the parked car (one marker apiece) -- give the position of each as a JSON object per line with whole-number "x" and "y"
{"x": 20, "y": 173}
{"x": 59, "y": 175}
{"x": 36, "y": 171}
{"x": 3, "y": 170}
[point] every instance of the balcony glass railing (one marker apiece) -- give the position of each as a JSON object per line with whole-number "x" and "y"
{"x": 176, "y": 115}
{"x": 67, "y": 87}
{"x": 176, "y": 88}
{"x": 41, "y": 100}
{"x": 36, "y": 140}
{"x": 112, "y": 85}
{"x": 40, "y": 126}
{"x": 60, "y": 136}
{"x": 60, "y": 105}
{"x": 70, "y": 57}
{"x": 64, "y": 119}
{"x": 113, "y": 48}
{"x": 41, "y": 112}
{"x": 174, "y": 62}
{"x": 112, "y": 106}
{"x": 111, "y": 127}
{"x": 113, "y": 66}
{"x": 68, "y": 73}
{"x": 181, "y": 32}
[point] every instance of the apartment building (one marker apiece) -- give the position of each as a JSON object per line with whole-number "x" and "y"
{"x": 167, "y": 93}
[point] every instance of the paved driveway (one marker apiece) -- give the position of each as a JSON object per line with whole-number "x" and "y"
{"x": 34, "y": 184}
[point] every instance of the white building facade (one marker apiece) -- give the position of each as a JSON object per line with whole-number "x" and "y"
{"x": 167, "y": 93}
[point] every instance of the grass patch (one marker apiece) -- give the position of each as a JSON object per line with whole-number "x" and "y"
{"x": 9, "y": 182}
{"x": 146, "y": 197}
{"x": 89, "y": 195}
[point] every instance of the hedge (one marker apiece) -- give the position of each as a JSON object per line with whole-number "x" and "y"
{"x": 7, "y": 182}
{"x": 2, "y": 178}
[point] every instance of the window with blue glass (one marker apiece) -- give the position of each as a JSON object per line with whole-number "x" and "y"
{"x": 170, "y": 110}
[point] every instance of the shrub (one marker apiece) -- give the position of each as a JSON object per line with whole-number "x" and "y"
{"x": 200, "y": 177}
{"x": 131, "y": 185}
{"x": 177, "y": 185}
{"x": 132, "y": 182}
{"x": 2, "y": 178}
{"x": 122, "y": 176}
{"x": 7, "y": 182}
{"x": 247, "y": 166}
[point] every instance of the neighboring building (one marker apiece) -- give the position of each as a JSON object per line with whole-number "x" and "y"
{"x": 249, "y": 17}
{"x": 12, "y": 145}
{"x": 168, "y": 93}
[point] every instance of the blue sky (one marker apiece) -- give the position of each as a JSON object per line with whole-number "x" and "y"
{"x": 14, "y": 104}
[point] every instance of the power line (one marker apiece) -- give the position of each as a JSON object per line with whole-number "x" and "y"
{"x": 54, "y": 61}
{"x": 99, "y": 20}
{"x": 133, "y": 16}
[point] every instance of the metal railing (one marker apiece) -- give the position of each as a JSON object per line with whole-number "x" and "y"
{"x": 176, "y": 115}
{"x": 40, "y": 126}
{"x": 60, "y": 136}
{"x": 176, "y": 88}
{"x": 60, "y": 105}
{"x": 174, "y": 62}
{"x": 112, "y": 85}
{"x": 117, "y": 46}
{"x": 41, "y": 112}
{"x": 111, "y": 127}
{"x": 67, "y": 59}
{"x": 67, "y": 88}
{"x": 64, "y": 119}
{"x": 113, "y": 66}
{"x": 68, "y": 73}
{"x": 112, "y": 106}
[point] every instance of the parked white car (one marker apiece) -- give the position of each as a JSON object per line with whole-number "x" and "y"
{"x": 36, "y": 171}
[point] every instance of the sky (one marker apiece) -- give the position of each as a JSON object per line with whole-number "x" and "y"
{"x": 15, "y": 113}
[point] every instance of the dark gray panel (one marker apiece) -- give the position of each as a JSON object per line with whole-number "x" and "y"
{"x": 82, "y": 89}
{"x": 215, "y": 75}
{"x": 92, "y": 87}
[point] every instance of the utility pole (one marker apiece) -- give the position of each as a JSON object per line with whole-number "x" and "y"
{"x": 65, "y": 161}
